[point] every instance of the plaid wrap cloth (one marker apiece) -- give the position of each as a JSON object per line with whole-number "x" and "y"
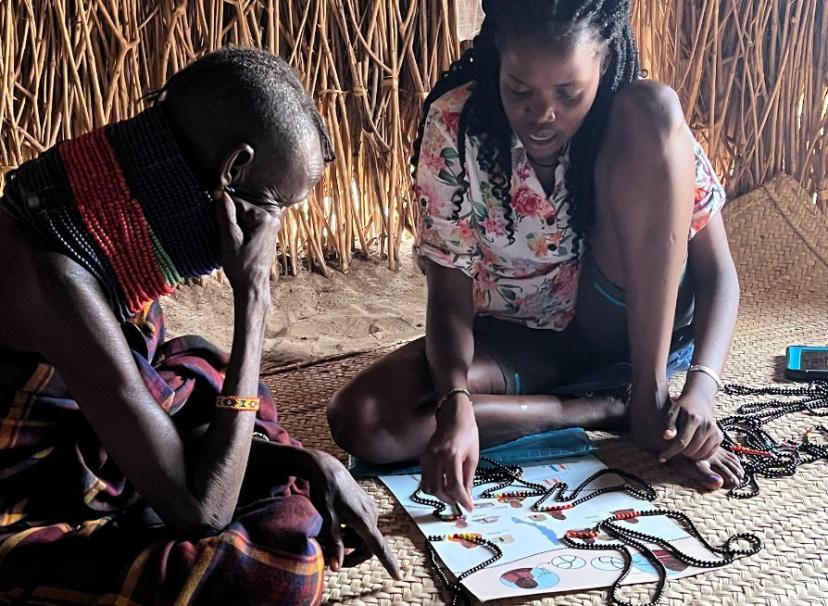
{"x": 73, "y": 530}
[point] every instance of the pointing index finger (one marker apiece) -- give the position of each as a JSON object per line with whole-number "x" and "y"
{"x": 379, "y": 546}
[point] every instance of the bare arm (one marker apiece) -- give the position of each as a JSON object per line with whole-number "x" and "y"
{"x": 192, "y": 497}
{"x": 218, "y": 470}
{"x": 449, "y": 321}
{"x": 717, "y": 304}
{"x": 85, "y": 343}
{"x": 451, "y": 456}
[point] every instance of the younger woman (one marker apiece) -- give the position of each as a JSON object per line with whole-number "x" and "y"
{"x": 568, "y": 221}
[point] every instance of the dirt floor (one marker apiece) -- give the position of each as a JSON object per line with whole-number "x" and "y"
{"x": 314, "y": 317}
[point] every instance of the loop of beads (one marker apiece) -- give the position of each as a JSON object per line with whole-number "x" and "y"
{"x": 505, "y": 475}
{"x": 639, "y": 541}
{"x": 456, "y": 588}
{"x": 759, "y": 454}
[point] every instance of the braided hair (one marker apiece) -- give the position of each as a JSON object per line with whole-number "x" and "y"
{"x": 606, "y": 22}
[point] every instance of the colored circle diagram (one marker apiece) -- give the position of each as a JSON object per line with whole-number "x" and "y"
{"x": 568, "y": 562}
{"x": 608, "y": 563}
{"x": 530, "y": 578}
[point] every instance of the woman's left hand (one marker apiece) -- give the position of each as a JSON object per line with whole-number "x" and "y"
{"x": 691, "y": 428}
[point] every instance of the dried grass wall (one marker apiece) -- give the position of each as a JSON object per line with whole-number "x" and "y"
{"x": 753, "y": 75}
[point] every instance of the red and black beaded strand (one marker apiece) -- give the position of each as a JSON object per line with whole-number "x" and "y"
{"x": 626, "y": 555}
{"x": 633, "y": 486}
{"x": 494, "y": 473}
{"x": 759, "y": 454}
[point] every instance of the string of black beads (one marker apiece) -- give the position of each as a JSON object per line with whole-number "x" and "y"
{"x": 494, "y": 473}
{"x": 638, "y": 540}
{"x": 643, "y": 491}
{"x": 727, "y": 552}
{"x": 760, "y": 455}
{"x": 456, "y": 588}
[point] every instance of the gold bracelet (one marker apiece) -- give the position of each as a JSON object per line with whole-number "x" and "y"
{"x": 237, "y": 403}
{"x": 452, "y": 392}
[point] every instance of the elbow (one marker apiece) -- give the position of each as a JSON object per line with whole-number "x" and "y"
{"x": 730, "y": 279}
{"x": 721, "y": 285}
{"x": 198, "y": 523}
{"x": 202, "y": 529}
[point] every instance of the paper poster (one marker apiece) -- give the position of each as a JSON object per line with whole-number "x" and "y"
{"x": 534, "y": 559}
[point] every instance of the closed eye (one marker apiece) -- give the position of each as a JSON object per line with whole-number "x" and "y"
{"x": 262, "y": 201}
{"x": 572, "y": 98}
{"x": 520, "y": 94}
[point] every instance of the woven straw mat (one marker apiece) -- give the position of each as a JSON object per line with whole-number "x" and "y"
{"x": 781, "y": 250}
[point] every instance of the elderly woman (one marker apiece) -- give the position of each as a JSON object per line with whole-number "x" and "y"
{"x": 134, "y": 469}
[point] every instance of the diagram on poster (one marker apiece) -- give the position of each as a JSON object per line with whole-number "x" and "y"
{"x": 535, "y": 560}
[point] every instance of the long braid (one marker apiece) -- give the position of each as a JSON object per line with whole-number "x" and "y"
{"x": 622, "y": 69}
{"x": 460, "y": 192}
{"x": 459, "y": 73}
{"x": 489, "y": 124}
{"x": 483, "y": 114}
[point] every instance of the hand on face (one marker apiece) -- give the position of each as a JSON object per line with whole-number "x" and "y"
{"x": 248, "y": 241}
{"x": 251, "y": 203}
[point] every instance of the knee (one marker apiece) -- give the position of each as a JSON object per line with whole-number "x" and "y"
{"x": 646, "y": 110}
{"x": 345, "y": 415}
{"x": 353, "y": 420}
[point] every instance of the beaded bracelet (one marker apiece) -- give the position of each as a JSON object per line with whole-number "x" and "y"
{"x": 237, "y": 403}
{"x": 452, "y": 392}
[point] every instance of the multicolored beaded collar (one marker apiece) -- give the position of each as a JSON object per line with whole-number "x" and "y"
{"x": 122, "y": 202}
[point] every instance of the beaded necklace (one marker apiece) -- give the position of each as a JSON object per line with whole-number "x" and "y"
{"x": 638, "y": 540}
{"x": 761, "y": 455}
{"x": 457, "y": 590}
{"x": 504, "y": 476}
{"x": 123, "y": 203}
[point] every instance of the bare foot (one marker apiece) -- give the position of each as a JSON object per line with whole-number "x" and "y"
{"x": 722, "y": 470}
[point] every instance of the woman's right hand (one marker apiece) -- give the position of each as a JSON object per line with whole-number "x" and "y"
{"x": 248, "y": 240}
{"x": 451, "y": 456}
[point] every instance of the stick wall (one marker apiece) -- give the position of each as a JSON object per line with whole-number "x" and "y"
{"x": 752, "y": 74}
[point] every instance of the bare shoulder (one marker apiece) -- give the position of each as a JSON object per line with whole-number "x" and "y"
{"x": 647, "y": 102}
{"x": 39, "y": 289}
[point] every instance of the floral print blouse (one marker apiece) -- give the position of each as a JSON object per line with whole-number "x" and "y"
{"x": 533, "y": 279}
